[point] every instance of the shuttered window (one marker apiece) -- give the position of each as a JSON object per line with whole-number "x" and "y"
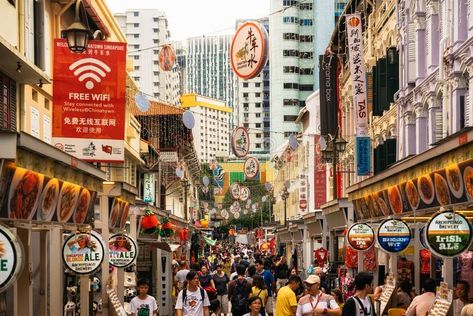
{"x": 411, "y": 53}
{"x": 384, "y": 155}
{"x": 468, "y": 121}
{"x": 7, "y": 103}
{"x": 385, "y": 81}
{"x": 438, "y": 124}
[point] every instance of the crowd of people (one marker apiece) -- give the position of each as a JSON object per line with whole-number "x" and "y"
{"x": 249, "y": 283}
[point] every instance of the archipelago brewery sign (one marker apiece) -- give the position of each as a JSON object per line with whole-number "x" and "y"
{"x": 83, "y": 253}
{"x": 448, "y": 234}
{"x": 249, "y": 50}
{"x": 122, "y": 250}
{"x": 360, "y": 237}
{"x": 10, "y": 258}
{"x": 394, "y": 235}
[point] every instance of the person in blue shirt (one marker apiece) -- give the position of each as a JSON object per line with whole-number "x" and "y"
{"x": 270, "y": 284}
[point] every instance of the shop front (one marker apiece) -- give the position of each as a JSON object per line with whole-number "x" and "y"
{"x": 421, "y": 211}
{"x": 312, "y": 237}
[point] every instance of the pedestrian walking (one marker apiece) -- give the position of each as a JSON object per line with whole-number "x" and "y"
{"x": 143, "y": 304}
{"x": 316, "y": 303}
{"x": 360, "y": 304}
{"x": 192, "y": 300}
{"x": 181, "y": 275}
{"x": 423, "y": 303}
{"x": 259, "y": 290}
{"x": 286, "y": 301}
{"x": 270, "y": 284}
{"x": 239, "y": 291}
{"x": 281, "y": 272}
{"x": 221, "y": 281}
{"x": 255, "y": 305}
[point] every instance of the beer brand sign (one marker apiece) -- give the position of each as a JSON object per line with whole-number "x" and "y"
{"x": 83, "y": 253}
{"x": 394, "y": 235}
{"x": 249, "y": 50}
{"x": 10, "y": 258}
{"x": 360, "y": 237}
{"x": 122, "y": 250}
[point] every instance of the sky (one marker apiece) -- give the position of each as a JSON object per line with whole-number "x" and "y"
{"x": 188, "y": 18}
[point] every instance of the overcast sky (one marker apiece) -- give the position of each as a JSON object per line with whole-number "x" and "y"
{"x": 189, "y": 18}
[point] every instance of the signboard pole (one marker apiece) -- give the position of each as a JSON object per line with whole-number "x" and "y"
{"x": 84, "y": 294}
{"x": 55, "y": 264}
{"x": 105, "y": 236}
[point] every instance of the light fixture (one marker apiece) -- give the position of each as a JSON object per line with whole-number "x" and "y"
{"x": 77, "y": 34}
{"x": 340, "y": 143}
{"x": 18, "y": 67}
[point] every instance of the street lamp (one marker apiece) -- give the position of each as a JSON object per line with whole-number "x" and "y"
{"x": 335, "y": 145}
{"x": 284, "y": 197}
{"x": 77, "y": 34}
{"x": 185, "y": 185}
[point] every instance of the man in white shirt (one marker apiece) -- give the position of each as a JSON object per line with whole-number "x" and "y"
{"x": 192, "y": 300}
{"x": 316, "y": 302}
{"x": 143, "y": 304}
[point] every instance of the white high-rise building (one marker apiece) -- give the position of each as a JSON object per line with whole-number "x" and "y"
{"x": 253, "y": 107}
{"x": 209, "y": 70}
{"x": 146, "y": 30}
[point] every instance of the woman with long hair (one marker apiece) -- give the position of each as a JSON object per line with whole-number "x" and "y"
{"x": 259, "y": 290}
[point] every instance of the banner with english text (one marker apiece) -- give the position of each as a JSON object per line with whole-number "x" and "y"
{"x": 89, "y": 101}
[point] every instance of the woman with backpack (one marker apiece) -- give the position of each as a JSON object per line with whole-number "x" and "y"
{"x": 239, "y": 291}
{"x": 259, "y": 290}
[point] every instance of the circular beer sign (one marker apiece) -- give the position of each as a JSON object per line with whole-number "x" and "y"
{"x": 251, "y": 168}
{"x": 448, "y": 234}
{"x": 393, "y": 235}
{"x": 83, "y": 253}
{"x": 249, "y": 50}
{"x": 360, "y": 237}
{"x": 122, "y": 250}
{"x": 10, "y": 258}
{"x": 240, "y": 142}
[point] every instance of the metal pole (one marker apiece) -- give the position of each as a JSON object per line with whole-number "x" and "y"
{"x": 285, "y": 209}
{"x": 334, "y": 170}
{"x": 185, "y": 201}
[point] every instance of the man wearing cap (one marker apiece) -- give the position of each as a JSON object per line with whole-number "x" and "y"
{"x": 316, "y": 302}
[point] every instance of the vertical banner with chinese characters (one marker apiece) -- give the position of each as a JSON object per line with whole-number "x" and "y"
{"x": 149, "y": 187}
{"x": 89, "y": 101}
{"x": 363, "y": 156}
{"x": 303, "y": 193}
{"x": 320, "y": 176}
{"x": 358, "y": 77}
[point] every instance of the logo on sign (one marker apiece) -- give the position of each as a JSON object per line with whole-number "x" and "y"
{"x": 90, "y": 70}
{"x": 122, "y": 250}
{"x": 394, "y": 235}
{"x": 10, "y": 258}
{"x": 360, "y": 237}
{"x": 83, "y": 253}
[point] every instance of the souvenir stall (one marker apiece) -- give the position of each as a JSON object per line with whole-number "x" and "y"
{"x": 419, "y": 214}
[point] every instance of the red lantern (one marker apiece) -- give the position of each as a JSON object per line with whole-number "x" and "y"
{"x": 149, "y": 221}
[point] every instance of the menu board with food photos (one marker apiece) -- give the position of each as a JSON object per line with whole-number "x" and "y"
{"x": 443, "y": 300}
{"x": 451, "y": 185}
{"x": 28, "y": 195}
{"x": 118, "y": 215}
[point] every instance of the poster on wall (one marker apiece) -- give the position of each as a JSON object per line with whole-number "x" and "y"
{"x": 360, "y": 237}
{"x": 440, "y": 188}
{"x": 122, "y": 250}
{"x": 28, "y": 195}
{"x": 11, "y": 258}
{"x": 448, "y": 234}
{"x": 89, "y": 101}
{"x": 83, "y": 253}
{"x": 249, "y": 50}
{"x": 393, "y": 235}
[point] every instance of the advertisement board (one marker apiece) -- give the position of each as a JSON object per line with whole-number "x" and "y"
{"x": 320, "y": 176}
{"x": 393, "y": 235}
{"x": 11, "y": 258}
{"x": 360, "y": 237}
{"x": 89, "y": 101}
{"x": 83, "y": 253}
{"x": 122, "y": 250}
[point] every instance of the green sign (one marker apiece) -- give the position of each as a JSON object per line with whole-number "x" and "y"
{"x": 448, "y": 234}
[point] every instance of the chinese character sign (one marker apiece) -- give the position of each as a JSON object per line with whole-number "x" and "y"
{"x": 148, "y": 187}
{"x": 249, "y": 50}
{"x": 320, "y": 176}
{"x": 358, "y": 72}
{"x": 89, "y": 101}
{"x": 303, "y": 193}
{"x": 363, "y": 156}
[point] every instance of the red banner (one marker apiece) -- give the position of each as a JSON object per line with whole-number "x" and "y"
{"x": 89, "y": 101}
{"x": 320, "y": 189}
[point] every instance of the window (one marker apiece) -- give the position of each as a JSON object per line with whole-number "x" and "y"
{"x": 306, "y": 55}
{"x": 266, "y": 124}
{"x": 290, "y": 118}
{"x": 258, "y": 84}
{"x": 384, "y": 155}
{"x": 136, "y": 78}
{"x": 136, "y": 13}
{"x": 306, "y": 38}
{"x": 136, "y": 24}
{"x": 245, "y": 105}
{"x": 156, "y": 62}
{"x": 156, "y": 94}
{"x": 246, "y": 115}
{"x": 288, "y": 3}
{"x": 257, "y": 94}
{"x": 258, "y": 104}
{"x": 305, "y": 6}
{"x": 155, "y": 51}
{"x": 306, "y": 87}
{"x": 258, "y": 125}
{"x": 385, "y": 81}
{"x": 245, "y": 95}
{"x": 136, "y": 67}
{"x": 245, "y": 84}
{"x": 258, "y": 145}
{"x": 156, "y": 84}
{"x": 155, "y": 19}
{"x": 136, "y": 35}
{"x": 46, "y": 104}
{"x": 291, "y": 85}
{"x": 290, "y": 53}
{"x": 156, "y": 73}
{"x": 306, "y": 71}
{"x": 290, "y": 36}
{"x": 290, "y": 19}
{"x": 291, "y": 69}
{"x": 155, "y": 41}
{"x": 155, "y": 30}
{"x": 258, "y": 135}
{"x": 305, "y": 22}
{"x": 7, "y": 103}
{"x": 34, "y": 95}
{"x": 291, "y": 102}
{"x": 245, "y": 125}
{"x": 136, "y": 57}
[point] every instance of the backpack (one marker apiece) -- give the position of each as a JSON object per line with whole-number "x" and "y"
{"x": 240, "y": 296}
{"x": 184, "y": 295}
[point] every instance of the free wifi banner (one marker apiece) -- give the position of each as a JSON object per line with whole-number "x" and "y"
{"x": 89, "y": 101}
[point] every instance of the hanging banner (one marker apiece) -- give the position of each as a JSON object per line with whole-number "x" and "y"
{"x": 235, "y": 190}
{"x": 240, "y": 142}
{"x": 83, "y": 253}
{"x": 249, "y": 50}
{"x": 393, "y": 235}
{"x": 328, "y": 94}
{"x": 448, "y": 234}
{"x": 122, "y": 250}
{"x": 89, "y": 101}
{"x": 11, "y": 258}
{"x": 358, "y": 72}
{"x": 320, "y": 177}
{"x": 149, "y": 188}
{"x": 360, "y": 237}
{"x": 303, "y": 193}
{"x": 167, "y": 58}
{"x": 244, "y": 194}
{"x": 251, "y": 168}
{"x": 363, "y": 156}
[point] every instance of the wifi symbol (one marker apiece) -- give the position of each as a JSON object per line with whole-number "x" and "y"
{"x": 89, "y": 69}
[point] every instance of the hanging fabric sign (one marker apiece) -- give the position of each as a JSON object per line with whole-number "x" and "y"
{"x": 251, "y": 168}
{"x": 393, "y": 235}
{"x": 122, "y": 250}
{"x": 11, "y": 257}
{"x": 83, "y": 253}
{"x": 302, "y": 193}
{"x": 167, "y": 58}
{"x": 360, "y": 237}
{"x": 235, "y": 190}
{"x": 240, "y": 142}
{"x": 448, "y": 234}
{"x": 244, "y": 194}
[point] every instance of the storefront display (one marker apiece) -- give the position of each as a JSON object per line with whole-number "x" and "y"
{"x": 11, "y": 254}
{"x": 405, "y": 270}
{"x": 321, "y": 256}
{"x": 83, "y": 253}
{"x": 369, "y": 261}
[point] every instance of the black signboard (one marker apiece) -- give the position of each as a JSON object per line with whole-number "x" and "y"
{"x": 328, "y": 94}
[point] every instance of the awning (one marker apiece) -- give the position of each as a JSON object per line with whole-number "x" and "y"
{"x": 12, "y": 59}
{"x": 336, "y": 219}
{"x": 314, "y": 228}
{"x": 298, "y": 236}
{"x": 156, "y": 244}
{"x": 285, "y": 237}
